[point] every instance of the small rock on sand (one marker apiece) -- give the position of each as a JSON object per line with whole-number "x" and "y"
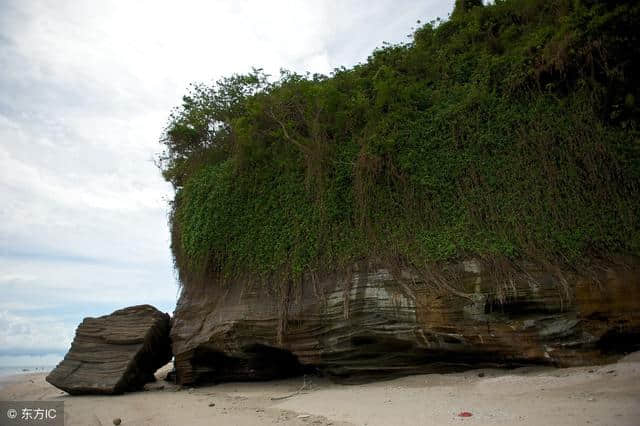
{"x": 117, "y": 421}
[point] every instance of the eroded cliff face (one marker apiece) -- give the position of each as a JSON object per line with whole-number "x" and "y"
{"x": 377, "y": 322}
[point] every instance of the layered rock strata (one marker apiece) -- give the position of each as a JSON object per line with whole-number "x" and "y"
{"x": 115, "y": 353}
{"x": 379, "y": 322}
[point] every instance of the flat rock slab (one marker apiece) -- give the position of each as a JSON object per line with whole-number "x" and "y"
{"x": 115, "y": 353}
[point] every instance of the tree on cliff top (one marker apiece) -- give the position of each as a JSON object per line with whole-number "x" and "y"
{"x": 465, "y": 5}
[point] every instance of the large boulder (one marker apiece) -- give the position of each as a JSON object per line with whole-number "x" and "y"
{"x": 378, "y": 322}
{"x": 115, "y": 353}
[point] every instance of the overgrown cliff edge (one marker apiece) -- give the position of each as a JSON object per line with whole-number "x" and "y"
{"x": 469, "y": 197}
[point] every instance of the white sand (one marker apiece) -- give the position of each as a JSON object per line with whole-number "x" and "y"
{"x": 602, "y": 395}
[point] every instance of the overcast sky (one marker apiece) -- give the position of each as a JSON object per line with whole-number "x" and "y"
{"x": 85, "y": 90}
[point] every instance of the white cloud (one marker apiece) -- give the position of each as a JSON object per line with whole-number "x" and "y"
{"x": 25, "y": 335}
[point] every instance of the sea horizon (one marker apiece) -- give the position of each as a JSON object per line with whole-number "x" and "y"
{"x": 16, "y": 370}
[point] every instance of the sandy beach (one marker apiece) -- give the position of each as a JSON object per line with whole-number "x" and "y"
{"x": 599, "y": 395}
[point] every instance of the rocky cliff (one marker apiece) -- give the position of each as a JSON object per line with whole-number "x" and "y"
{"x": 377, "y": 322}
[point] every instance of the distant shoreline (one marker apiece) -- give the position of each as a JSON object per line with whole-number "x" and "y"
{"x": 5, "y": 371}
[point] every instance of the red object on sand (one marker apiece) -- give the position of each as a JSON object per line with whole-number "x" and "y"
{"x": 465, "y": 414}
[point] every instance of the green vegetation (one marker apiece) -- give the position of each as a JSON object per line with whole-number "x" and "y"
{"x": 508, "y": 130}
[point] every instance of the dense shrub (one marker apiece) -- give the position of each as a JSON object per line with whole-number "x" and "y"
{"x": 507, "y": 130}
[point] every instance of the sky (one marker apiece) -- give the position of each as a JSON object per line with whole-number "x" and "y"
{"x": 86, "y": 88}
